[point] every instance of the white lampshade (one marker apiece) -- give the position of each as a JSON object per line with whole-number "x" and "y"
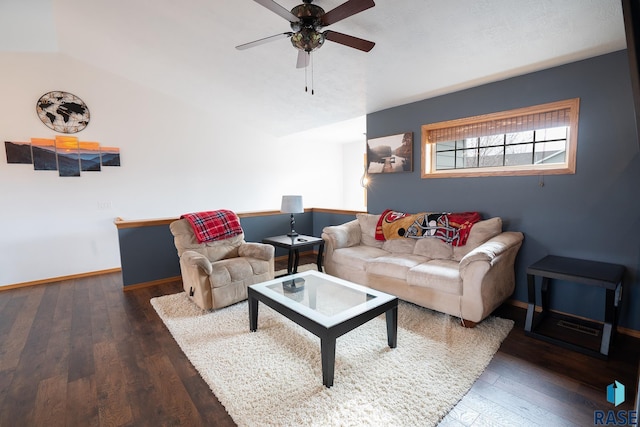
{"x": 291, "y": 204}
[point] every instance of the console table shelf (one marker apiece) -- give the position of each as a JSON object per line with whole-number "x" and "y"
{"x": 582, "y": 334}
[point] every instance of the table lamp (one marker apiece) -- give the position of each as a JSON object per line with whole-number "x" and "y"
{"x": 292, "y": 204}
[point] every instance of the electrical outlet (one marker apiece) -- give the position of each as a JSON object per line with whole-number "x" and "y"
{"x": 104, "y": 205}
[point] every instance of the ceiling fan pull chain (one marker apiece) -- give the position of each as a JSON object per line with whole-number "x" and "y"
{"x": 311, "y": 57}
{"x": 305, "y": 79}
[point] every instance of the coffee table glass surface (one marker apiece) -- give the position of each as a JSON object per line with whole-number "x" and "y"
{"x": 326, "y": 306}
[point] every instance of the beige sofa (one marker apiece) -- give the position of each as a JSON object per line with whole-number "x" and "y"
{"x": 467, "y": 281}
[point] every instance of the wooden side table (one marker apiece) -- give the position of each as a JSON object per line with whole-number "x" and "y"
{"x": 600, "y": 274}
{"x": 293, "y": 244}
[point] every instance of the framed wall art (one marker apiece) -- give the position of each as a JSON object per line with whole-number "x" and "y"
{"x": 63, "y": 153}
{"x": 390, "y": 154}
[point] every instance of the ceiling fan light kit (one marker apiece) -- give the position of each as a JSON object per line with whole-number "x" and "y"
{"x": 307, "y": 39}
{"x": 306, "y": 21}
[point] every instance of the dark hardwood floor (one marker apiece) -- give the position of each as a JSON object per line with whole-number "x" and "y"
{"x": 84, "y": 353}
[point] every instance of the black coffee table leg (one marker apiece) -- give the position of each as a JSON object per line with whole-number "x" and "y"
{"x": 253, "y": 314}
{"x": 328, "y": 352}
{"x": 392, "y": 326}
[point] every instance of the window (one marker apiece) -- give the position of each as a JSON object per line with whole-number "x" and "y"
{"x": 527, "y": 141}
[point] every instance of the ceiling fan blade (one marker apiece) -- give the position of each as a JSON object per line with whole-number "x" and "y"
{"x": 264, "y": 40}
{"x": 278, "y": 10}
{"x": 354, "y": 42}
{"x": 345, "y": 10}
{"x": 303, "y": 59}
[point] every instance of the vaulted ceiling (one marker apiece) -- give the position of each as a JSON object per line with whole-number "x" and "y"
{"x": 423, "y": 48}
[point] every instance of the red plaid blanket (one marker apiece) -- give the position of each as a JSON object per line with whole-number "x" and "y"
{"x": 452, "y": 228}
{"x": 214, "y": 225}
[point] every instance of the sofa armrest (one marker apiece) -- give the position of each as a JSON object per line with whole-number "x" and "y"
{"x": 488, "y": 275}
{"x": 195, "y": 259}
{"x": 342, "y": 236}
{"x": 490, "y": 250}
{"x": 257, "y": 250}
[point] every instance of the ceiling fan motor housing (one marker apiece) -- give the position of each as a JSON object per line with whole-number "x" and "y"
{"x": 306, "y": 36}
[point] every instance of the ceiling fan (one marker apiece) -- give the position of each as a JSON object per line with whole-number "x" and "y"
{"x": 306, "y": 22}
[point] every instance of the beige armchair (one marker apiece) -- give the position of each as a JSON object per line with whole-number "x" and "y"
{"x": 216, "y": 274}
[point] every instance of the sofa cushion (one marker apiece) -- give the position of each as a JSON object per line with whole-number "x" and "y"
{"x": 368, "y": 223}
{"x": 433, "y": 248}
{"x": 228, "y": 271}
{"x": 357, "y": 256}
{"x": 400, "y": 246}
{"x": 393, "y": 265}
{"x": 438, "y": 274}
{"x": 480, "y": 233}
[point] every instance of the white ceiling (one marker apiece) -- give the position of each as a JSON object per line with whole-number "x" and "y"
{"x": 423, "y": 48}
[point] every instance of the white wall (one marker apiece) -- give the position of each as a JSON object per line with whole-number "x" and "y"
{"x": 342, "y": 145}
{"x": 353, "y": 156}
{"x": 27, "y": 26}
{"x": 175, "y": 159}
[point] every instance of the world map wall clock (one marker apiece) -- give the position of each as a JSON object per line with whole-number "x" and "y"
{"x": 63, "y": 112}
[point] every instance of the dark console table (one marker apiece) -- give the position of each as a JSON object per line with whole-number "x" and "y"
{"x": 293, "y": 244}
{"x": 600, "y": 274}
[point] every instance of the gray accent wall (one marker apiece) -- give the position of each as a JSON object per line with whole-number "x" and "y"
{"x": 147, "y": 253}
{"x": 325, "y": 219}
{"x": 257, "y": 228}
{"x": 593, "y": 214}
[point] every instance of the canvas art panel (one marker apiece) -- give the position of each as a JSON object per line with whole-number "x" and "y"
{"x": 90, "y": 156}
{"x": 110, "y": 156}
{"x": 18, "y": 152}
{"x": 68, "y": 155}
{"x": 44, "y": 154}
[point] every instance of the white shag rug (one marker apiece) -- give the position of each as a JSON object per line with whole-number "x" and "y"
{"x": 273, "y": 377}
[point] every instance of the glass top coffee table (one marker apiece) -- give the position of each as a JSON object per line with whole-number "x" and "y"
{"x": 326, "y": 306}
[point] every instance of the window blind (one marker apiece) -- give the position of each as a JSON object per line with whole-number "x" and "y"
{"x": 519, "y": 123}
